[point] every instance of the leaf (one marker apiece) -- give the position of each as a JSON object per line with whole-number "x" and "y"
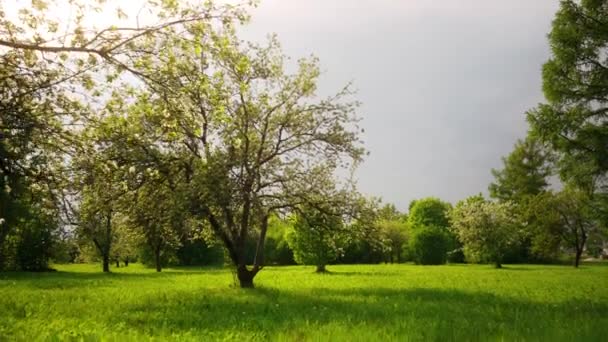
{"x": 39, "y": 5}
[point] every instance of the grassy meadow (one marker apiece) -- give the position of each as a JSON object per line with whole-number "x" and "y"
{"x": 353, "y": 303}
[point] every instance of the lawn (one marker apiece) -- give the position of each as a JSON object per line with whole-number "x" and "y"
{"x": 360, "y": 303}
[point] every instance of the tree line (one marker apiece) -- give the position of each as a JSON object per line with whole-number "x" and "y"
{"x": 170, "y": 140}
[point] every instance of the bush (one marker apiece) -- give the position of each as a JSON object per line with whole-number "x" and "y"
{"x": 277, "y": 252}
{"x": 456, "y": 256}
{"x": 429, "y": 246}
{"x": 34, "y": 247}
{"x": 199, "y": 253}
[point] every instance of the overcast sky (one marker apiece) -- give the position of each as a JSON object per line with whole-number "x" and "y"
{"x": 445, "y": 84}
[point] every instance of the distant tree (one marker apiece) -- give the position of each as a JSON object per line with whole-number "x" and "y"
{"x": 429, "y": 217}
{"x": 525, "y": 172}
{"x": 565, "y": 219}
{"x": 429, "y": 245}
{"x": 277, "y": 247}
{"x": 317, "y": 237}
{"x": 486, "y": 229}
{"x": 159, "y": 214}
{"x": 101, "y": 184}
{"x": 393, "y": 226}
{"x": 126, "y": 241}
{"x": 429, "y": 212}
{"x": 366, "y": 241}
{"x": 96, "y": 225}
{"x": 524, "y": 175}
{"x": 395, "y": 235}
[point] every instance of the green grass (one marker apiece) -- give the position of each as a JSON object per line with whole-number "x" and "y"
{"x": 353, "y": 303}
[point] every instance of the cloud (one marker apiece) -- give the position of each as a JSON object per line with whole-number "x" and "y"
{"x": 445, "y": 84}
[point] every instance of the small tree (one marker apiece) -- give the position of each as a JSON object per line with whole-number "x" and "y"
{"x": 486, "y": 229}
{"x": 564, "y": 219}
{"x": 317, "y": 238}
{"x": 429, "y": 212}
{"x": 429, "y": 224}
{"x": 395, "y": 234}
{"x": 429, "y": 246}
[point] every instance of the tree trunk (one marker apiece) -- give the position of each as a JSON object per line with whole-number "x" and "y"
{"x": 577, "y": 259}
{"x": 117, "y": 263}
{"x": 245, "y": 277}
{"x": 157, "y": 260}
{"x": 106, "y": 263}
{"x": 321, "y": 269}
{"x": 498, "y": 264}
{"x": 126, "y": 261}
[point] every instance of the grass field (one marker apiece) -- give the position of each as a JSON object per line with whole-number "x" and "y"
{"x": 360, "y": 303}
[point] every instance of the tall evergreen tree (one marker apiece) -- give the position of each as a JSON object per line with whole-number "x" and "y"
{"x": 525, "y": 172}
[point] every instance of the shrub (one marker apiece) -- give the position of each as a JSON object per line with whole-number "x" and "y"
{"x": 429, "y": 246}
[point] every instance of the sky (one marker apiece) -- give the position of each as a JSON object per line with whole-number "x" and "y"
{"x": 445, "y": 84}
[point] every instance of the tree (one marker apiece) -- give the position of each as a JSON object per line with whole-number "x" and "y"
{"x": 395, "y": 233}
{"x": 392, "y": 224}
{"x": 317, "y": 238}
{"x": 157, "y": 213}
{"x": 95, "y": 223}
{"x": 524, "y": 174}
{"x": 574, "y": 119}
{"x": 250, "y": 139}
{"x": 101, "y": 184}
{"x": 564, "y": 219}
{"x": 367, "y": 242}
{"x": 32, "y": 146}
{"x": 429, "y": 218}
{"x": 278, "y": 251}
{"x": 486, "y": 229}
{"x": 429, "y": 212}
{"x": 429, "y": 246}
{"x": 126, "y": 241}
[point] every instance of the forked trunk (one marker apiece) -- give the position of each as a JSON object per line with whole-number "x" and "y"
{"x": 245, "y": 277}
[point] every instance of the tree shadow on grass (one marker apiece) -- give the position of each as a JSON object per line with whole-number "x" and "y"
{"x": 425, "y": 313}
{"x": 77, "y": 279}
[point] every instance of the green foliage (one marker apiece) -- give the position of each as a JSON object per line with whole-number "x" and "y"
{"x": 199, "y": 252}
{"x": 524, "y": 174}
{"x": 277, "y": 250}
{"x": 388, "y": 302}
{"x": 317, "y": 238}
{"x": 429, "y": 246}
{"x": 429, "y": 212}
{"x": 35, "y": 244}
{"x": 395, "y": 236}
{"x": 565, "y": 219}
{"x": 574, "y": 119}
{"x": 486, "y": 229}
{"x": 429, "y": 223}
{"x": 367, "y": 242}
